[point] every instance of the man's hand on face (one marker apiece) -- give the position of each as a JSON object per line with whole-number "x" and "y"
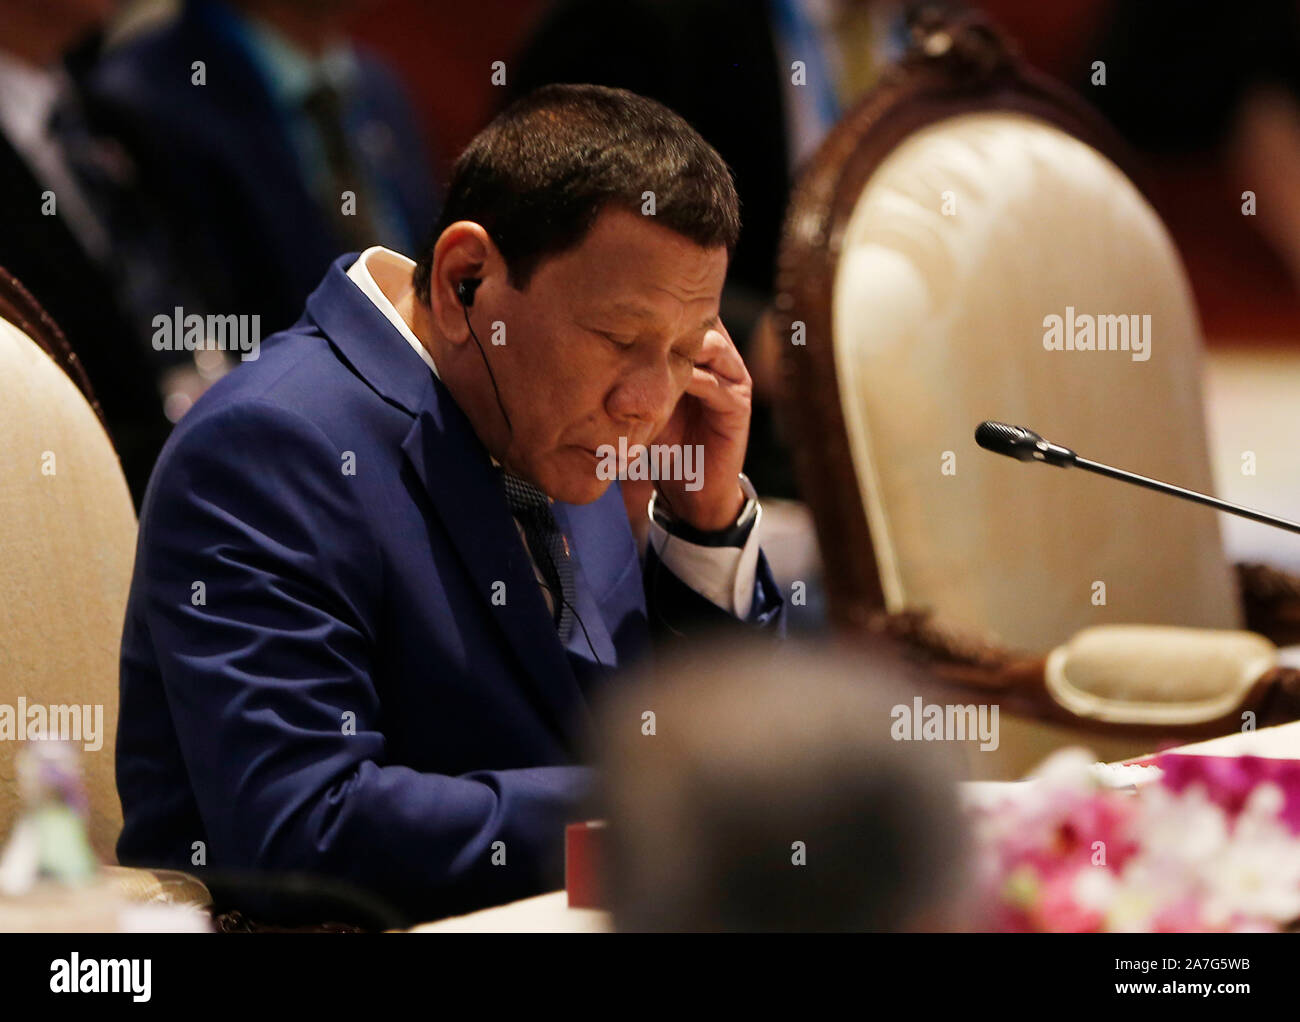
{"x": 714, "y": 413}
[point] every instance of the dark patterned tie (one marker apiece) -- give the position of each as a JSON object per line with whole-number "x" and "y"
{"x": 548, "y": 546}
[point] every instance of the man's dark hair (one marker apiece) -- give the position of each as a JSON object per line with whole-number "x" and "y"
{"x": 537, "y": 177}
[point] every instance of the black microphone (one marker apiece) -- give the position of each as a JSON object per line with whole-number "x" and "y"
{"x": 1026, "y": 445}
{"x": 1022, "y": 444}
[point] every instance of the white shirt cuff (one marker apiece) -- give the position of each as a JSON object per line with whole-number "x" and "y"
{"x": 723, "y": 575}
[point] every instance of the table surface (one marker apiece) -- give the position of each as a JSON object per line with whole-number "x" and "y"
{"x": 1279, "y": 742}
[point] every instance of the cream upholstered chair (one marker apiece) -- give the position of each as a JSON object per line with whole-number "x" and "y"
{"x": 67, "y": 543}
{"x": 955, "y": 210}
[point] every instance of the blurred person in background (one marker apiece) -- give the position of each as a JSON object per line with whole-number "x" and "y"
{"x": 79, "y": 230}
{"x": 1212, "y": 100}
{"x": 770, "y": 797}
{"x": 278, "y": 145}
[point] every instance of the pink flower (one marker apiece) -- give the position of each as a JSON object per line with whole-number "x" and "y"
{"x": 1059, "y": 909}
{"x": 1214, "y": 845}
{"x": 1228, "y": 781}
{"x": 1183, "y": 916}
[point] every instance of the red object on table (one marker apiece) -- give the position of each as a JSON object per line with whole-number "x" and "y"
{"x": 584, "y": 855}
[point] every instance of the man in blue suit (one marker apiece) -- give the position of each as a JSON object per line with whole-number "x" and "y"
{"x": 382, "y": 572}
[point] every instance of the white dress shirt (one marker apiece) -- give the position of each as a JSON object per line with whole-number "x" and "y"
{"x": 723, "y": 575}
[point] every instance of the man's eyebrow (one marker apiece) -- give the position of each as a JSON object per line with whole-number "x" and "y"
{"x": 633, "y": 309}
{"x": 639, "y": 311}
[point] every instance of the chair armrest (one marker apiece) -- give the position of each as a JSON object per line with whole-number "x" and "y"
{"x": 1159, "y": 675}
{"x": 1113, "y": 679}
{"x": 168, "y": 886}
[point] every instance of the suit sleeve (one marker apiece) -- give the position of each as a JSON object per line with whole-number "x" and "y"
{"x": 264, "y": 596}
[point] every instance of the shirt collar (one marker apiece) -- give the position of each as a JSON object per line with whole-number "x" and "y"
{"x": 28, "y": 96}
{"x": 384, "y": 276}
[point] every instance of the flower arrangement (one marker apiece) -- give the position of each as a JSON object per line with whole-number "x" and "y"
{"x": 49, "y": 839}
{"x": 1211, "y": 844}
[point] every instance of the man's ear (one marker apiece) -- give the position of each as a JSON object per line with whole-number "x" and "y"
{"x": 464, "y": 253}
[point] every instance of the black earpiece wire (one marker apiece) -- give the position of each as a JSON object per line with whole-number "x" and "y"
{"x": 464, "y": 307}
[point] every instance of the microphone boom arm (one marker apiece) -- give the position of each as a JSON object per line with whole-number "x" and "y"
{"x": 1026, "y": 445}
{"x": 1192, "y": 495}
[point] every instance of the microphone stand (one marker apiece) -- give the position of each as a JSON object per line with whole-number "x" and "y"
{"x": 1192, "y": 495}
{"x": 1025, "y": 445}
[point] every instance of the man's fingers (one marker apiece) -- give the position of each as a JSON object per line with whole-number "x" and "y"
{"x": 718, "y": 393}
{"x": 720, "y": 355}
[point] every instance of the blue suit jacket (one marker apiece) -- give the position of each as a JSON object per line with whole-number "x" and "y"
{"x": 315, "y": 675}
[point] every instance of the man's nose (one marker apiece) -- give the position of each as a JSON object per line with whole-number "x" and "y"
{"x": 644, "y": 396}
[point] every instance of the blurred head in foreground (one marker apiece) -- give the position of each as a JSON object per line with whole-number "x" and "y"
{"x": 759, "y": 790}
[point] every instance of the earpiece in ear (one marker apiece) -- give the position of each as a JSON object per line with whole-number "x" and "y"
{"x": 465, "y": 290}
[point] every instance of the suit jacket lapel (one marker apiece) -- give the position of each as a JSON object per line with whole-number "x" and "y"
{"x": 466, "y": 492}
